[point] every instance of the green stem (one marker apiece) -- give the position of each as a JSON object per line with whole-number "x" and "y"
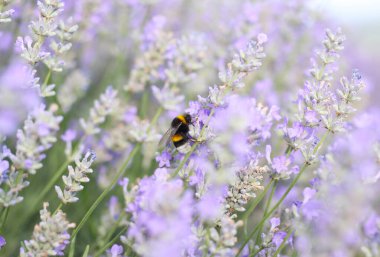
{"x": 85, "y": 254}
{"x": 59, "y": 207}
{"x": 51, "y": 183}
{"x": 266, "y": 211}
{"x": 5, "y": 218}
{"x": 72, "y": 248}
{"x": 110, "y": 243}
{"x": 257, "y": 251}
{"x": 279, "y": 249}
{"x": 119, "y": 174}
{"x": 257, "y": 201}
{"x": 155, "y": 118}
{"x": 144, "y": 104}
{"x": 114, "y": 227}
{"x": 46, "y": 80}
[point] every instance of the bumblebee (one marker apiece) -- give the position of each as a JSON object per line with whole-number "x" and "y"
{"x": 178, "y": 133}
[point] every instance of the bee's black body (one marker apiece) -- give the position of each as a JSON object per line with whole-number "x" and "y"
{"x": 178, "y": 133}
{"x": 181, "y": 135}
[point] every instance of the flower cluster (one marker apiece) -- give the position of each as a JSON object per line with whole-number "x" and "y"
{"x": 106, "y": 104}
{"x": 50, "y": 236}
{"x": 36, "y": 138}
{"x": 5, "y": 15}
{"x": 76, "y": 176}
{"x": 59, "y": 34}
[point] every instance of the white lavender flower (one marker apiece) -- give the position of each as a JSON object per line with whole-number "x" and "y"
{"x": 5, "y": 15}
{"x": 76, "y": 176}
{"x": 248, "y": 182}
{"x": 72, "y": 89}
{"x": 16, "y": 182}
{"x": 222, "y": 242}
{"x": 146, "y": 66}
{"x": 107, "y": 104}
{"x": 141, "y": 131}
{"x": 168, "y": 97}
{"x": 50, "y": 237}
{"x": 187, "y": 58}
{"x": 45, "y": 29}
{"x": 35, "y": 138}
{"x": 30, "y": 50}
{"x": 250, "y": 59}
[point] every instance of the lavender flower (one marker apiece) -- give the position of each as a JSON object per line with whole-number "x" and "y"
{"x": 115, "y": 251}
{"x": 76, "y": 176}
{"x": 281, "y": 165}
{"x": 35, "y": 138}
{"x": 42, "y": 30}
{"x": 248, "y": 183}
{"x": 2, "y": 242}
{"x": 68, "y": 138}
{"x": 5, "y": 15}
{"x": 222, "y": 242}
{"x": 169, "y": 99}
{"x": 50, "y": 237}
{"x": 160, "y": 204}
{"x": 72, "y": 89}
{"x": 103, "y": 107}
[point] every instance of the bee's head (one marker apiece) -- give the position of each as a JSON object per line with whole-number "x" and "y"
{"x": 187, "y": 118}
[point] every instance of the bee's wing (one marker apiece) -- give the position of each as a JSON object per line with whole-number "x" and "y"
{"x": 167, "y": 136}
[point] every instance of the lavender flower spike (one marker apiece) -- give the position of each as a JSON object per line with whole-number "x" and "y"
{"x": 5, "y": 15}
{"x": 35, "y": 138}
{"x": 50, "y": 236}
{"x": 76, "y": 176}
{"x": 107, "y": 103}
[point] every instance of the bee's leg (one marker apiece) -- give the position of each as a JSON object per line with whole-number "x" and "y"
{"x": 192, "y": 139}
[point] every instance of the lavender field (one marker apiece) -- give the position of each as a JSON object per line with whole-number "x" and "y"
{"x": 165, "y": 128}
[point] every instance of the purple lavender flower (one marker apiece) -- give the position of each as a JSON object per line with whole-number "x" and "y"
{"x": 115, "y": 251}
{"x": 161, "y": 204}
{"x": 69, "y": 135}
{"x": 2, "y": 242}
{"x": 164, "y": 159}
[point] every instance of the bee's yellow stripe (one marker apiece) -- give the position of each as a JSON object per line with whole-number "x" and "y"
{"x": 177, "y": 138}
{"x": 182, "y": 118}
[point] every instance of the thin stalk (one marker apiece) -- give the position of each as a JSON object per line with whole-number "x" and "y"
{"x": 256, "y": 252}
{"x": 59, "y": 207}
{"x": 257, "y": 200}
{"x": 85, "y": 254}
{"x": 113, "y": 228}
{"x": 144, "y": 104}
{"x": 5, "y": 218}
{"x": 108, "y": 245}
{"x": 72, "y": 248}
{"x": 266, "y": 210}
{"x": 46, "y": 80}
{"x": 44, "y": 192}
{"x": 119, "y": 174}
{"x": 155, "y": 117}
